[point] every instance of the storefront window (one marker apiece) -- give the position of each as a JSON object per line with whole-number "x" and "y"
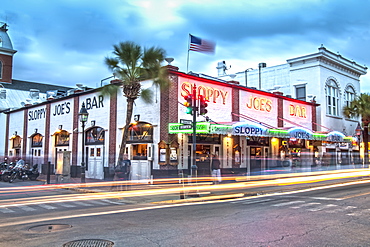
{"x": 17, "y": 142}
{"x": 95, "y": 136}
{"x": 211, "y": 139}
{"x": 36, "y": 140}
{"x": 62, "y": 138}
{"x": 140, "y": 132}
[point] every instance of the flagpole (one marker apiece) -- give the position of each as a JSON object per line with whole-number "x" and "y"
{"x": 187, "y": 63}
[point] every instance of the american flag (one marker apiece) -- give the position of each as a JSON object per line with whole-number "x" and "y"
{"x": 201, "y": 45}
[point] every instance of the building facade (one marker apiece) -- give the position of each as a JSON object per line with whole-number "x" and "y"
{"x": 250, "y": 130}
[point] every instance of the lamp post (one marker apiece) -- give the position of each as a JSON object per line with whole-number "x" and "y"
{"x": 246, "y": 76}
{"x": 83, "y": 115}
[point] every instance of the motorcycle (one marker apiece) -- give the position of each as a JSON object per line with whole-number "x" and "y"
{"x": 32, "y": 173}
{"x": 3, "y": 168}
{"x": 7, "y": 171}
{"x": 19, "y": 172}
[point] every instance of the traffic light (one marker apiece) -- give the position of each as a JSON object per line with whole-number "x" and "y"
{"x": 189, "y": 104}
{"x": 202, "y": 105}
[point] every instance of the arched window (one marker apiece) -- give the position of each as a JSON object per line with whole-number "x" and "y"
{"x": 140, "y": 132}
{"x": 62, "y": 138}
{"x": 332, "y": 98}
{"x": 95, "y": 136}
{"x": 349, "y": 95}
{"x": 16, "y": 141}
{"x": 36, "y": 140}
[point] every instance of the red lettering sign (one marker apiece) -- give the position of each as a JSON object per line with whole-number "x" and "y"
{"x": 259, "y": 104}
{"x": 297, "y": 111}
{"x": 209, "y": 93}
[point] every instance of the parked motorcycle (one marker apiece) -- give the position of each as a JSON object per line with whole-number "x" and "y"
{"x": 19, "y": 171}
{"x": 3, "y": 168}
{"x": 7, "y": 171}
{"x": 33, "y": 173}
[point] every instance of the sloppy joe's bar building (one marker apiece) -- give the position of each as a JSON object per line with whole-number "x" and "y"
{"x": 250, "y": 130}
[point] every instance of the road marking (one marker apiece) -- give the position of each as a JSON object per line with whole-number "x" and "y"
{"x": 340, "y": 209}
{"x": 306, "y": 205}
{"x": 258, "y": 201}
{"x": 322, "y": 207}
{"x": 82, "y": 203}
{"x": 351, "y": 196}
{"x": 66, "y": 205}
{"x": 98, "y": 202}
{"x": 359, "y": 213}
{"x": 26, "y": 208}
{"x": 118, "y": 203}
{"x": 46, "y": 206}
{"x": 6, "y": 210}
{"x": 287, "y": 203}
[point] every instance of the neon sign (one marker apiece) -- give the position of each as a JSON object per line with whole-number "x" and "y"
{"x": 210, "y": 94}
{"x": 259, "y": 104}
{"x": 297, "y": 111}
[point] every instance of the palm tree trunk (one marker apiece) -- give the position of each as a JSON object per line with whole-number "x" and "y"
{"x": 129, "y": 111}
{"x": 366, "y": 143}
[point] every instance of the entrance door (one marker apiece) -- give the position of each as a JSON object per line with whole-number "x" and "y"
{"x": 95, "y": 161}
{"x": 256, "y": 157}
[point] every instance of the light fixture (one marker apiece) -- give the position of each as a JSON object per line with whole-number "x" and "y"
{"x": 169, "y": 60}
{"x": 137, "y": 118}
{"x": 83, "y": 114}
{"x": 36, "y": 130}
{"x": 92, "y": 122}
{"x": 60, "y": 127}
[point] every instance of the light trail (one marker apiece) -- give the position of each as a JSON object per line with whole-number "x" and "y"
{"x": 170, "y": 189}
{"x": 64, "y": 217}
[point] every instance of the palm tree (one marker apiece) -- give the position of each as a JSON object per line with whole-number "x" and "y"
{"x": 133, "y": 64}
{"x": 360, "y": 106}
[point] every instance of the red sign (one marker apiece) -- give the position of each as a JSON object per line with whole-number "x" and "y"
{"x": 210, "y": 94}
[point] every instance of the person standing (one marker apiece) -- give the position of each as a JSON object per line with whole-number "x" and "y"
{"x": 122, "y": 171}
{"x": 216, "y": 169}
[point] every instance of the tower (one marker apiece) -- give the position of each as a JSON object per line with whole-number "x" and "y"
{"x": 6, "y": 55}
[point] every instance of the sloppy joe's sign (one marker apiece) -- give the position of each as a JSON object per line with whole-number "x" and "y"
{"x": 211, "y": 94}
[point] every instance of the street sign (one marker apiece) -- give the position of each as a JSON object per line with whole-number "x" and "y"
{"x": 185, "y": 127}
{"x": 185, "y": 121}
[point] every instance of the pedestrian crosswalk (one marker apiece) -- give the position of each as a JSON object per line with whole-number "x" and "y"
{"x": 313, "y": 204}
{"x": 59, "y": 205}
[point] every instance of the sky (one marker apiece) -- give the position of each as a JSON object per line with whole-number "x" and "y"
{"x": 65, "y": 42}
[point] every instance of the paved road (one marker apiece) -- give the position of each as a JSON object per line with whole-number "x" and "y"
{"x": 330, "y": 216}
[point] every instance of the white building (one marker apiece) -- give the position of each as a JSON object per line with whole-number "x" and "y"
{"x": 326, "y": 77}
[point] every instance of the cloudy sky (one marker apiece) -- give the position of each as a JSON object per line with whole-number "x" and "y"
{"x": 65, "y": 42}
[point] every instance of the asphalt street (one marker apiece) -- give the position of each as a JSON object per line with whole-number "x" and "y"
{"x": 322, "y": 216}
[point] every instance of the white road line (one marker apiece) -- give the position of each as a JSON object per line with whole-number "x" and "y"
{"x": 82, "y": 203}
{"x": 258, "y": 201}
{"x": 359, "y": 213}
{"x": 26, "y": 208}
{"x": 340, "y": 209}
{"x": 6, "y": 210}
{"x": 46, "y": 206}
{"x": 322, "y": 207}
{"x": 118, "y": 203}
{"x": 98, "y": 202}
{"x": 287, "y": 203}
{"x": 306, "y": 205}
{"x": 66, "y": 205}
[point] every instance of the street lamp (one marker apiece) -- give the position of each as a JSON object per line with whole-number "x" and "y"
{"x": 246, "y": 76}
{"x": 83, "y": 115}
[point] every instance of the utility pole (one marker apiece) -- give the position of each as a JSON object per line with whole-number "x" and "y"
{"x": 194, "y": 104}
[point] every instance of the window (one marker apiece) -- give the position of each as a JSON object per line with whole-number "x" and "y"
{"x": 95, "y": 136}
{"x": 36, "y": 140}
{"x": 332, "y": 98}
{"x": 62, "y": 138}
{"x": 349, "y": 95}
{"x": 300, "y": 92}
{"x": 140, "y": 132}
{"x": 17, "y": 142}
{"x": 1, "y": 69}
